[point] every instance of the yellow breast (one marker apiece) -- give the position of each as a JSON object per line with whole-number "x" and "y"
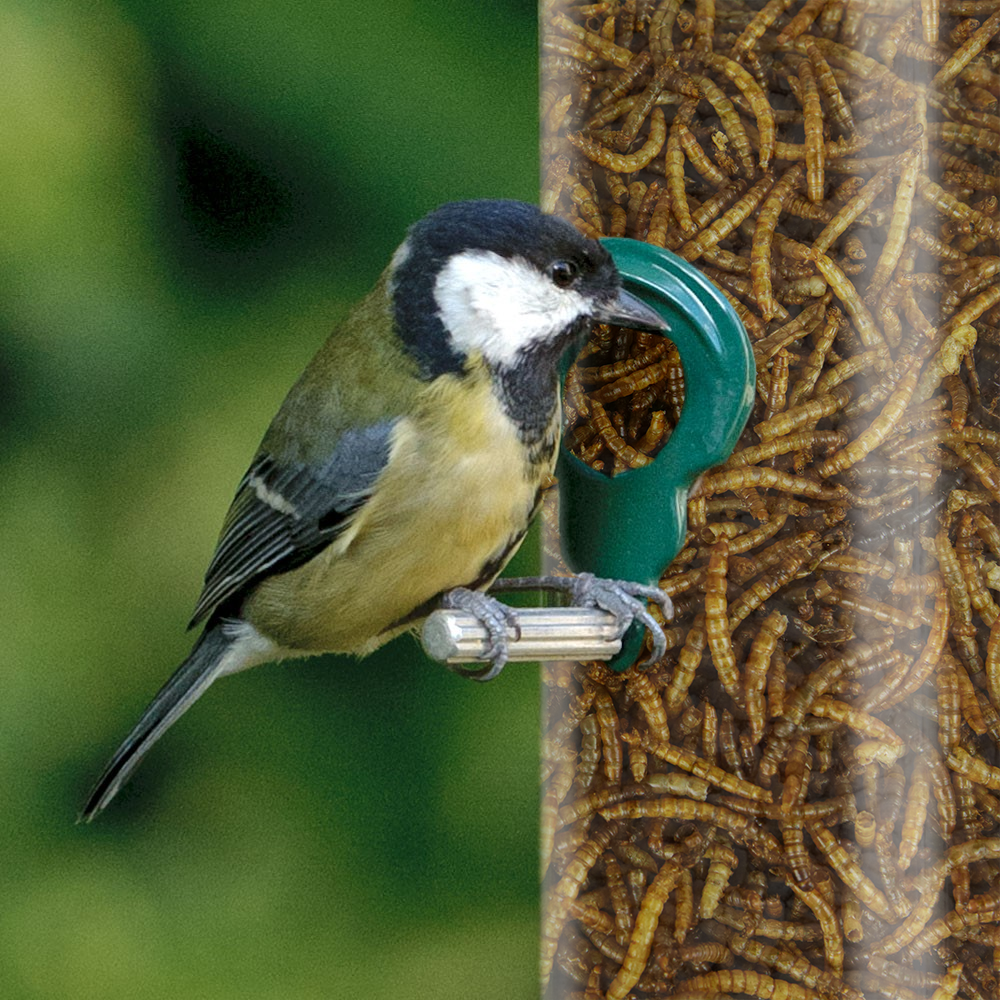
{"x": 454, "y": 500}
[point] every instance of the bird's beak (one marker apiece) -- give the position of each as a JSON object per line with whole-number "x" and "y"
{"x": 627, "y": 310}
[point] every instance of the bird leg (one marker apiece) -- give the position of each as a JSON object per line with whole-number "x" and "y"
{"x": 621, "y": 598}
{"x": 496, "y": 617}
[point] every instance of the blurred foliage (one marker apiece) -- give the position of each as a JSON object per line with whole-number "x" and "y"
{"x": 190, "y": 195}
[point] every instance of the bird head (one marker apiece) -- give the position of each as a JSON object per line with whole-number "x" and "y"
{"x": 502, "y": 280}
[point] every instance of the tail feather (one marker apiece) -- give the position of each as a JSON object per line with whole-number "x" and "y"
{"x": 208, "y": 660}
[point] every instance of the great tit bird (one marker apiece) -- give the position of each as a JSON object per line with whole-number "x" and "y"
{"x": 405, "y": 464}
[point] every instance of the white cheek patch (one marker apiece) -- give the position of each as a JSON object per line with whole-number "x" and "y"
{"x": 497, "y": 305}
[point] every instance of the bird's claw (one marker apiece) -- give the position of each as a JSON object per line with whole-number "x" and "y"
{"x": 627, "y": 602}
{"x": 496, "y": 617}
{"x": 621, "y": 598}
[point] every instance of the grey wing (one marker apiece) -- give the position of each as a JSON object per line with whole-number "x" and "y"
{"x": 285, "y": 512}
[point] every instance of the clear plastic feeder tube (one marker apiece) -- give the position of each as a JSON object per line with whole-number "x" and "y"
{"x": 802, "y": 798}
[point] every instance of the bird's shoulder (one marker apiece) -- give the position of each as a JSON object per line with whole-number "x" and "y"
{"x": 361, "y": 376}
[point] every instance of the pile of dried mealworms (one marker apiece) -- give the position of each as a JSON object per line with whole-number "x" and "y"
{"x": 802, "y": 799}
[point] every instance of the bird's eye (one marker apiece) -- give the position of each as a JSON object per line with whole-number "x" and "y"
{"x": 563, "y": 273}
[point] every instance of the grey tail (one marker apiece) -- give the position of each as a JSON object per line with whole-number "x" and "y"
{"x": 188, "y": 682}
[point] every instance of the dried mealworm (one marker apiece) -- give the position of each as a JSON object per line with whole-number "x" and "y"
{"x": 555, "y": 739}
{"x": 792, "y": 965}
{"x": 602, "y": 374}
{"x": 559, "y": 785}
{"x": 764, "y": 478}
{"x": 962, "y": 628}
{"x": 878, "y": 431}
{"x": 755, "y": 97}
{"x": 760, "y": 254}
{"x": 677, "y": 783}
{"x": 720, "y": 870}
{"x": 704, "y": 25}
{"x": 716, "y": 625}
{"x": 725, "y": 224}
{"x": 801, "y": 21}
{"x": 945, "y": 202}
{"x": 661, "y": 28}
{"x": 915, "y": 813}
{"x": 699, "y": 158}
{"x": 849, "y": 872}
{"x": 616, "y": 444}
{"x": 586, "y": 805}
{"x": 899, "y": 226}
{"x": 778, "y": 385}
{"x": 889, "y": 44}
{"x": 967, "y": 52}
{"x": 688, "y": 660}
{"x": 638, "y": 763}
{"x": 941, "y": 787}
{"x": 992, "y": 662}
{"x": 848, "y": 295}
{"x": 760, "y": 22}
{"x": 857, "y": 205}
{"x": 801, "y": 441}
{"x": 979, "y": 596}
{"x": 777, "y": 929}
{"x": 729, "y": 981}
{"x": 629, "y": 384}
{"x": 947, "y": 361}
{"x": 684, "y": 908}
{"x": 864, "y": 828}
{"x": 607, "y": 719}
{"x": 639, "y": 221}
{"x": 814, "y": 363}
{"x": 878, "y": 610}
{"x": 674, "y": 167}
{"x": 929, "y": 20}
{"x": 590, "y": 753}
{"x": 854, "y": 718}
{"x": 641, "y": 942}
{"x": 833, "y": 939}
{"x": 948, "y": 989}
{"x": 620, "y": 899}
{"x": 810, "y": 412}
{"x": 761, "y": 842}
{"x": 641, "y": 688}
{"x": 770, "y": 583}
{"x": 625, "y": 80}
{"x": 605, "y": 49}
{"x": 758, "y": 662}
{"x": 728, "y": 744}
{"x": 977, "y": 273}
{"x": 792, "y": 331}
{"x": 813, "y": 122}
{"x": 709, "y": 732}
{"x": 729, "y": 119}
{"x": 659, "y": 220}
{"x": 817, "y": 683}
{"x": 951, "y": 924}
{"x": 625, "y": 163}
{"x": 555, "y": 45}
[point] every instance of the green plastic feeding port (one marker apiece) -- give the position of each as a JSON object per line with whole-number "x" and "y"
{"x": 631, "y": 526}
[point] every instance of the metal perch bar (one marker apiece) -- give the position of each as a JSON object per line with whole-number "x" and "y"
{"x": 546, "y": 634}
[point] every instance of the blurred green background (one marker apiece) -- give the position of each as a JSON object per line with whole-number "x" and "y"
{"x": 191, "y": 192}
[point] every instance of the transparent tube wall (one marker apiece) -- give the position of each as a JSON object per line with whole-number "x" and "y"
{"x": 802, "y": 799}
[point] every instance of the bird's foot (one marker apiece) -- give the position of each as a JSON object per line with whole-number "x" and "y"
{"x": 621, "y": 598}
{"x": 496, "y": 617}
